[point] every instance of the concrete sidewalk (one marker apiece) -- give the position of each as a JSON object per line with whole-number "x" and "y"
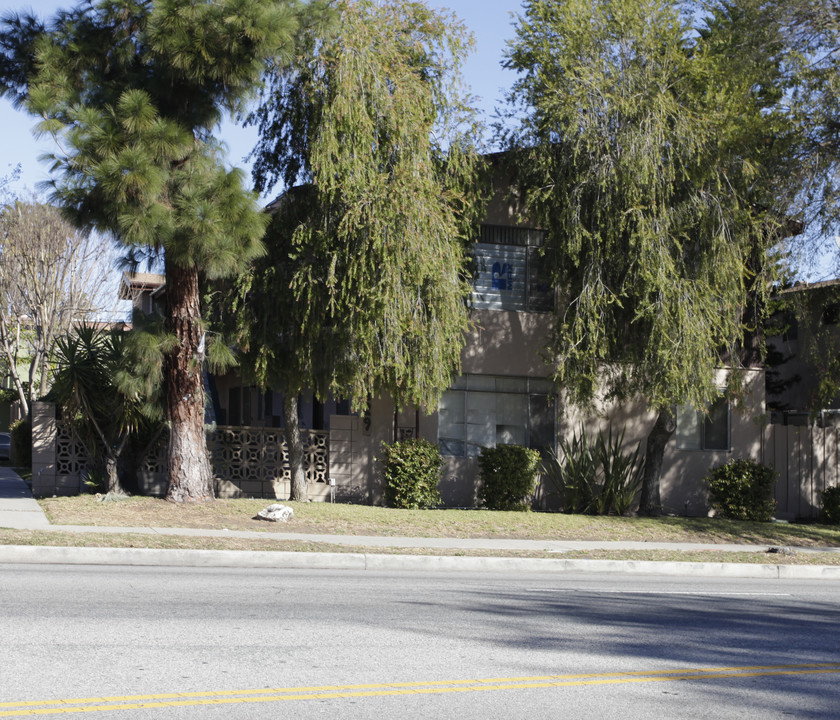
{"x": 18, "y": 510}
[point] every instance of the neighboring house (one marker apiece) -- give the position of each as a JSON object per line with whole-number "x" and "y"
{"x": 142, "y": 289}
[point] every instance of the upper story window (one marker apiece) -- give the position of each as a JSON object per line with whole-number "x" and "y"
{"x": 508, "y": 270}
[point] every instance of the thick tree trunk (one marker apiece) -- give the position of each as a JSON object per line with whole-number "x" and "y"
{"x": 650, "y": 504}
{"x": 190, "y": 474}
{"x": 298, "y": 490}
{"x": 114, "y": 485}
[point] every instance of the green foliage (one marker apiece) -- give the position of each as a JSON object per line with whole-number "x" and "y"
{"x": 508, "y": 476}
{"x": 634, "y": 139}
{"x": 742, "y": 490}
{"x": 411, "y": 473}
{"x": 99, "y": 395}
{"x": 8, "y": 395}
{"x": 21, "y": 432}
{"x": 596, "y": 478}
{"x": 650, "y": 146}
{"x": 574, "y": 474}
{"x": 374, "y": 122}
{"x": 132, "y": 91}
{"x": 830, "y": 505}
{"x": 621, "y": 472}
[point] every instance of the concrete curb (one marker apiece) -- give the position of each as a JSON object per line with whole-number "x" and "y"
{"x": 28, "y": 554}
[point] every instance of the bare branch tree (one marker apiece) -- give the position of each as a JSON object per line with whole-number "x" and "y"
{"x": 51, "y": 276}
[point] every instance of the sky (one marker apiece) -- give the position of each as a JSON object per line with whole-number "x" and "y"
{"x": 490, "y": 21}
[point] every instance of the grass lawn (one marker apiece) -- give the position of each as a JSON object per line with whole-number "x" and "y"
{"x": 343, "y": 519}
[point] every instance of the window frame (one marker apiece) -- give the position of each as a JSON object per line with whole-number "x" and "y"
{"x": 534, "y": 390}
{"x": 703, "y": 420}
{"x": 515, "y": 240}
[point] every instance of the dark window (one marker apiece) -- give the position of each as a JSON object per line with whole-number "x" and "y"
{"x": 235, "y": 405}
{"x": 704, "y": 430}
{"x": 831, "y": 314}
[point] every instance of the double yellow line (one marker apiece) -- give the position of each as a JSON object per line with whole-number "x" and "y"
{"x": 322, "y": 692}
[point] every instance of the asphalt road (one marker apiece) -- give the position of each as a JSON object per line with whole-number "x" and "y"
{"x": 188, "y": 643}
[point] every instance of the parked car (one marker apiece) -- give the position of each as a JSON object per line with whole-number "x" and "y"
{"x": 5, "y": 446}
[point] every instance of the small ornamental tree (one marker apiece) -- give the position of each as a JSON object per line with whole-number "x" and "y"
{"x": 100, "y": 399}
{"x": 51, "y": 277}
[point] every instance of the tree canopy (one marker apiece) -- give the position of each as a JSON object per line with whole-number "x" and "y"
{"x": 132, "y": 90}
{"x": 51, "y": 277}
{"x": 649, "y": 158}
{"x": 373, "y": 135}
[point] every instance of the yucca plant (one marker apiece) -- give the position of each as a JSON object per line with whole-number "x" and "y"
{"x": 573, "y": 473}
{"x": 621, "y": 472}
{"x": 595, "y": 477}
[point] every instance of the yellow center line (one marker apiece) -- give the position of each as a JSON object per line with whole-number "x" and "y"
{"x": 433, "y": 687}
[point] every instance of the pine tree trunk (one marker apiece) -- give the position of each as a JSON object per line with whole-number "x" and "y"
{"x": 298, "y": 490}
{"x": 650, "y": 504}
{"x": 190, "y": 474}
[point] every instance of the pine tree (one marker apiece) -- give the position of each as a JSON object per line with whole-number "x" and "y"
{"x": 132, "y": 90}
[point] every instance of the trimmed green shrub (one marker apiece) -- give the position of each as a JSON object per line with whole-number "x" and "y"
{"x": 830, "y": 501}
{"x": 21, "y": 432}
{"x": 742, "y": 490}
{"x": 508, "y": 477}
{"x": 411, "y": 473}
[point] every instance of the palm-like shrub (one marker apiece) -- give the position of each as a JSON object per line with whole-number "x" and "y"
{"x": 595, "y": 477}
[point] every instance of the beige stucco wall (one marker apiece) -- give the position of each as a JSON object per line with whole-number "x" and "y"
{"x": 682, "y": 489}
{"x": 502, "y": 342}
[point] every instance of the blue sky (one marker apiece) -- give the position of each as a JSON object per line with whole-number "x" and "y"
{"x": 489, "y": 20}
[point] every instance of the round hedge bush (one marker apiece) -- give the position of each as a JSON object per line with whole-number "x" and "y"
{"x": 411, "y": 473}
{"x": 830, "y": 501}
{"x": 742, "y": 490}
{"x": 508, "y": 477}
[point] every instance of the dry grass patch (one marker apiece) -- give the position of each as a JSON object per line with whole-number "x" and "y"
{"x": 340, "y": 519}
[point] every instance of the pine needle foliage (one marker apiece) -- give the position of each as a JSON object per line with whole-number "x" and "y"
{"x": 132, "y": 91}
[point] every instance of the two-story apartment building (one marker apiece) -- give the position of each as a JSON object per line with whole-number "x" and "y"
{"x": 504, "y": 393}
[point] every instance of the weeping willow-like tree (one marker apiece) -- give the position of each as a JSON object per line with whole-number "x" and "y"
{"x": 362, "y": 290}
{"x": 132, "y": 91}
{"x": 647, "y": 148}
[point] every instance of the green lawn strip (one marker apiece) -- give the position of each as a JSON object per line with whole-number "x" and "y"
{"x": 174, "y": 542}
{"x": 342, "y": 519}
